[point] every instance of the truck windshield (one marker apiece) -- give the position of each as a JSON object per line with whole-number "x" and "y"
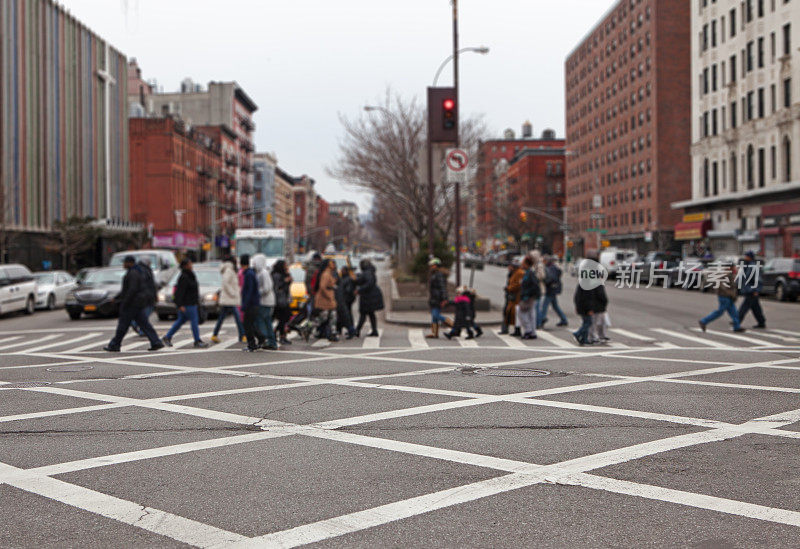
{"x": 270, "y": 247}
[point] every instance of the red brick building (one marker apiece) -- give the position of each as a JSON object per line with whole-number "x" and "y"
{"x": 174, "y": 175}
{"x": 492, "y": 204}
{"x": 628, "y": 113}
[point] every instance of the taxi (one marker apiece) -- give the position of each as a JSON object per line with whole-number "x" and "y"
{"x": 298, "y": 293}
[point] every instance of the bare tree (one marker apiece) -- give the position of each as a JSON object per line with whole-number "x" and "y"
{"x": 384, "y": 154}
{"x": 75, "y": 235}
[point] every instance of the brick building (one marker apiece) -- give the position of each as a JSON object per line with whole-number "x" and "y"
{"x": 628, "y": 126}
{"x": 174, "y": 173}
{"x": 284, "y": 199}
{"x": 490, "y": 201}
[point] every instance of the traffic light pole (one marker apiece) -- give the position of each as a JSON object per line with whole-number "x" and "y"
{"x": 458, "y": 110}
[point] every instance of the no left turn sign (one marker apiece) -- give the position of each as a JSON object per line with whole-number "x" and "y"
{"x": 456, "y": 160}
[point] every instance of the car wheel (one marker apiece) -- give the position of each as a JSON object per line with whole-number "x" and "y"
{"x": 780, "y": 292}
{"x": 51, "y": 302}
{"x": 30, "y": 306}
{"x": 162, "y": 317}
{"x": 74, "y": 315}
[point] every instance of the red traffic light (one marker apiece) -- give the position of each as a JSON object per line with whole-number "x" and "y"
{"x": 449, "y": 104}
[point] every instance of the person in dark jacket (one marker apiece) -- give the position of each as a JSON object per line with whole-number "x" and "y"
{"x": 464, "y": 317}
{"x": 750, "y": 286}
{"x": 187, "y": 301}
{"x": 529, "y": 297}
{"x": 437, "y": 296}
{"x": 507, "y": 320}
{"x": 552, "y": 289}
{"x": 345, "y": 296}
{"x": 587, "y": 303}
{"x": 281, "y": 283}
{"x": 149, "y": 285}
{"x": 472, "y": 295}
{"x": 251, "y": 301}
{"x": 370, "y": 298}
{"x": 726, "y": 301}
{"x": 134, "y": 299}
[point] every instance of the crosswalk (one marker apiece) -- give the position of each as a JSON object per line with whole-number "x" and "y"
{"x": 391, "y": 337}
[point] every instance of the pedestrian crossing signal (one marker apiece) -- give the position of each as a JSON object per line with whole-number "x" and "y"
{"x": 449, "y": 114}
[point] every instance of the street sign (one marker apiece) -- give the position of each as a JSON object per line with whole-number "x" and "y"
{"x": 601, "y": 231}
{"x": 456, "y": 160}
{"x": 648, "y": 236}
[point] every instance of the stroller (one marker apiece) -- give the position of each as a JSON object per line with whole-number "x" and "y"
{"x": 301, "y": 322}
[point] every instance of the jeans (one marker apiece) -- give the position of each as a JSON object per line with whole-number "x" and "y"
{"x": 546, "y": 302}
{"x": 135, "y": 325}
{"x": 191, "y": 315}
{"x": 223, "y": 313}
{"x": 726, "y": 305}
{"x": 752, "y": 302}
{"x": 527, "y": 319}
{"x": 264, "y": 324}
{"x": 436, "y": 316}
{"x": 582, "y": 335}
{"x": 127, "y": 315}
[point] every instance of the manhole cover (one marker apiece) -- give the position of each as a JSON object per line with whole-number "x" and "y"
{"x": 25, "y": 385}
{"x": 513, "y": 372}
{"x": 62, "y": 369}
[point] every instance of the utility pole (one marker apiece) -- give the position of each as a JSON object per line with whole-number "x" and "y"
{"x": 458, "y": 183}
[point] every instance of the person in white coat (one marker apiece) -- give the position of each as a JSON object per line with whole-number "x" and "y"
{"x": 267, "y": 302}
{"x": 229, "y": 298}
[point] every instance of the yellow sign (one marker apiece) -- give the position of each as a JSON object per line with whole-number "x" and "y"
{"x": 605, "y": 243}
{"x": 479, "y": 244}
{"x": 207, "y": 247}
{"x": 691, "y": 218}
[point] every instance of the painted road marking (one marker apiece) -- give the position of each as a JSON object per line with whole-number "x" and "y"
{"x": 557, "y": 341}
{"x": 373, "y": 342}
{"x": 701, "y": 341}
{"x": 416, "y": 339}
{"x": 632, "y": 335}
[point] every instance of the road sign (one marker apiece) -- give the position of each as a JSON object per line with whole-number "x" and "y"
{"x": 456, "y": 160}
{"x": 601, "y": 231}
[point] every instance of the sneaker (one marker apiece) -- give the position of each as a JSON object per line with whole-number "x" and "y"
{"x": 269, "y": 347}
{"x": 760, "y": 327}
{"x": 503, "y": 332}
{"x": 702, "y": 325}
{"x": 448, "y": 335}
{"x": 110, "y": 349}
{"x": 215, "y": 339}
{"x": 373, "y": 334}
{"x": 250, "y": 349}
{"x": 285, "y": 341}
{"x": 478, "y": 332}
{"x": 470, "y": 337}
{"x": 166, "y": 341}
{"x": 200, "y": 345}
{"x": 562, "y": 324}
{"x": 517, "y": 332}
{"x": 530, "y": 336}
{"x": 580, "y": 342}
{"x": 156, "y": 346}
{"x": 605, "y": 339}
{"x": 544, "y": 321}
{"x": 739, "y": 330}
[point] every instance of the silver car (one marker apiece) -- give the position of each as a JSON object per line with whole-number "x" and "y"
{"x": 53, "y": 288}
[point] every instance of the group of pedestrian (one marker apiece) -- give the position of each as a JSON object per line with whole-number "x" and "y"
{"x": 746, "y": 283}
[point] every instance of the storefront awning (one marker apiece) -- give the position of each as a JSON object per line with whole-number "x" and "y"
{"x": 693, "y": 230}
{"x": 768, "y": 231}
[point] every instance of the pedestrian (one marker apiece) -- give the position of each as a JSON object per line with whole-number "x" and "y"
{"x": 266, "y": 302}
{"x": 597, "y": 331}
{"x": 325, "y": 301}
{"x": 529, "y": 297}
{"x": 463, "y": 319}
{"x": 726, "y": 299}
{"x": 134, "y": 299}
{"x": 540, "y": 273}
{"x": 750, "y": 286}
{"x": 437, "y": 296}
{"x": 229, "y": 298}
{"x": 472, "y": 295}
{"x": 513, "y": 290}
{"x": 149, "y": 281}
{"x": 345, "y": 296}
{"x": 506, "y": 300}
{"x": 281, "y": 284}
{"x": 370, "y": 298}
{"x": 251, "y": 301}
{"x": 586, "y": 304}
{"x": 186, "y": 299}
{"x": 552, "y": 289}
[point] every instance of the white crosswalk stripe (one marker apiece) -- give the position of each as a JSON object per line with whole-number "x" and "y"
{"x": 632, "y": 335}
{"x": 794, "y": 335}
{"x": 738, "y": 337}
{"x": 94, "y": 345}
{"x": 416, "y": 339}
{"x": 373, "y": 342}
{"x": 511, "y": 341}
{"x": 467, "y": 342}
{"x": 70, "y": 342}
{"x": 701, "y": 341}
{"x": 7, "y": 339}
{"x": 555, "y": 340}
{"x": 135, "y": 345}
{"x": 28, "y": 342}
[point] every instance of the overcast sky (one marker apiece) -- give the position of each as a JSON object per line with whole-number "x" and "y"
{"x": 306, "y": 61}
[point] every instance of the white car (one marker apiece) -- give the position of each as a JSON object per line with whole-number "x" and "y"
{"x": 17, "y": 289}
{"x": 53, "y": 288}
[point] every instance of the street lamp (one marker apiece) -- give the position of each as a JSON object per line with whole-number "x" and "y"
{"x": 483, "y": 50}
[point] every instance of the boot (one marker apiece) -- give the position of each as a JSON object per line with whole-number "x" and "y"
{"x": 434, "y": 332}
{"x": 517, "y": 332}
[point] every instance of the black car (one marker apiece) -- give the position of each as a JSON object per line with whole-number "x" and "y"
{"x": 781, "y": 278}
{"x": 96, "y": 293}
{"x": 209, "y": 281}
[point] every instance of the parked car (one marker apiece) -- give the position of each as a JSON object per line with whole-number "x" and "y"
{"x": 97, "y": 294}
{"x": 689, "y": 274}
{"x": 658, "y": 262}
{"x": 209, "y": 280}
{"x": 781, "y": 278}
{"x": 17, "y": 289}
{"x": 163, "y": 262}
{"x": 53, "y": 288}
{"x": 473, "y": 261}
{"x": 612, "y": 258}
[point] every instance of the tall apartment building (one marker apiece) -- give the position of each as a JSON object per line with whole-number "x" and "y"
{"x": 305, "y": 211}
{"x": 63, "y": 124}
{"x": 284, "y": 199}
{"x": 222, "y": 104}
{"x": 628, "y": 126}
{"x": 264, "y": 165}
{"x": 745, "y": 128}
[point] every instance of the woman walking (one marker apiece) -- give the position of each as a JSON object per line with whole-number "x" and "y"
{"x": 186, "y": 298}
{"x": 266, "y": 302}
{"x": 529, "y": 298}
{"x": 437, "y": 296}
{"x": 370, "y": 298}
{"x": 229, "y": 298}
{"x": 281, "y": 283}
{"x": 325, "y": 301}
{"x": 345, "y": 296}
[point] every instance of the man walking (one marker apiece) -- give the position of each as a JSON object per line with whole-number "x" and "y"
{"x": 726, "y": 298}
{"x": 437, "y": 296}
{"x": 135, "y": 298}
{"x": 266, "y": 302}
{"x": 251, "y": 301}
{"x": 750, "y": 286}
{"x": 529, "y": 298}
{"x": 187, "y": 300}
{"x": 552, "y": 289}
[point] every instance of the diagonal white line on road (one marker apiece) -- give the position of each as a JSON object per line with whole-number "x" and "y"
{"x": 469, "y": 343}
{"x": 7, "y": 339}
{"x": 738, "y": 337}
{"x": 70, "y": 342}
{"x": 666, "y": 345}
{"x": 97, "y": 344}
{"x": 61, "y": 412}
{"x": 416, "y": 339}
{"x": 373, "y": 342}
{"x": 511, "y": 341}
{"x": 769, "y": 333}
{"x": 795, "y": 335}
{"x": 143, "y": 342}
{"x": 555, "y": 340}
{"x": 700, "y": 340}
{"x": 632, "y": 335}
{"x": 29, "y": 342}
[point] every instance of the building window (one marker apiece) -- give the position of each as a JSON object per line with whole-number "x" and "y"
{"x": 787, "y": 93}
{"x": 787, "y": 159}
{"x": 715, "y": 178}
{"x": 733, "y": 22}
{"x": 714, "y": 122}
{"x": 714, "y": 78}
{"x": 705, "y": 177}
{"x": 761, "y": 102}
{"x": 772, "y": 97}
{"x": 773, "y": 153}
{"x": 762, "y": 167}
{"x": 787, "y": 39}
{"x": 761, "y": 53}
{"x": 733, "y": 115}
{"x": 749, "y": 166}
{"x": 749, "y": 55}
{"x": 733, "y": 68}
{"x": 733, "y": 172}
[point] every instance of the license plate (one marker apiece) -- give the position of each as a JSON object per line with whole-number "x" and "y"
{"x": 89, "y": 308}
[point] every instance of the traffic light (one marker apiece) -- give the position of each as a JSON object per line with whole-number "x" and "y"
{"x": 269, "y": 218}
{"x": 523, "y": 216}
{"x": 449, "y": 114}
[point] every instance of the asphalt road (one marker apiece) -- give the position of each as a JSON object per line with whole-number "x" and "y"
{"x": 667, "y": 437}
